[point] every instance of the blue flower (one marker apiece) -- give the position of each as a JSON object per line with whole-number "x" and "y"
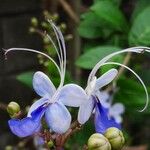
{"x": 89, "y": 96}
{"x": 28, "y": 125}
{"x": 57, "y": 116}
{"x": 94, "y": 86}
{"x": 52, "y": 102}
{"x": 103, "y": 120}
{"x": 114, "y": 110}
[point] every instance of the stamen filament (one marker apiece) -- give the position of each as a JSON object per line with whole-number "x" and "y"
{"x": 34, "y": 51}
{"x": 62, "y": 47}
{"x": 99, "y": 64}
{"x": 146, "y": 92}
{"x": 60, "y": 60}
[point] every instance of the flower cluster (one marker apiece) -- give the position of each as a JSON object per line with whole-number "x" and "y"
{"x": 91, "y": 101}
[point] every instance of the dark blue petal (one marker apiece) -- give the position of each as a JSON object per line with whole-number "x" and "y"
{"x": 102, "y": 120}
{"x": 28, "y": 125}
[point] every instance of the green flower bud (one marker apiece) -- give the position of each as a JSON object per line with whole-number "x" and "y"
{"x": 45, "y": 13}
{"x": 13, "y": 108}
{"x": 31, "y": 30}
{"x": 63, "y": 26}
{"x": 98, "y": 142}
{"x": 34, "y": 22}
{"x": 115, "y": 137}
{"x": 55, "y": 17}
{"x": 8, "y": 147}
{"x": 46, "y": 40}
{"x": 50, "y": 144}
{"x": 45, "y": 25}
{"x": 21, "y": 144}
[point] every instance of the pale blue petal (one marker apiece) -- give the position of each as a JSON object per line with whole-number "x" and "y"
{"x": 43, "y": 85}
{"x": 85, "y": 110}
{"x": 116, "y": 111}
{"x": 58, "y": 117}
{"x": 118, "y": 118}
{"x": 29, "y": 125}
{"x": 104, "y": 98}
{"x": 106, "y": 78}
{"x": 37, "y": 104}
{"x": 72, "y": 95}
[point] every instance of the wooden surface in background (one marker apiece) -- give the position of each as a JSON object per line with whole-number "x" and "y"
{"x": 15, "y": 18}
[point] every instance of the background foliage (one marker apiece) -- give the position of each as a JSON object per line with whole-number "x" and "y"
{"x": 105, "y": 27}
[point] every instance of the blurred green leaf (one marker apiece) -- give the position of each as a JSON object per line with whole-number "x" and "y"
{"x": 26, "y": 78}
{"x": 89, "y": 28}
{"x": 145, "y": 75}
{"x": 119, "y": 59}
{"x": 140, "y": 5}
{"x": 92, "y": 56}
{"x": 116, "y": 2}
{"x": 109, "y": 13}
{"x": 132, "y": 94}
{"x": 140, "y": 31}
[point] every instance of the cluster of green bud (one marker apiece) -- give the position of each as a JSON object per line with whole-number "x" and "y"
{"x": 112, "y": 139}
{"x": 63, "y": 26}
{"x": 98, "y": 142}
{"x": 46, "y": 40}
{"x": 31, "y": 30}
{"x": 8, "y": 147}
{"x": 115, "y": 137}
{"x": 50, "y": 144}
{"x": 47, "y": 15}
{"x": 34, "y": 21}
{"x": 34, "y": 24}
{"x": 13, "y": 109}
{"x": 45, "y": 25}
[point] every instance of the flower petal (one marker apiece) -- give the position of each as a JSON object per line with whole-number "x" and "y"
{"x": 43, "y": 85}
{"x": 104, "y": 98}
{"x": 118, "y": 118}
{"x": 28, "y": 125}
{"x": 117, "y": 109}
{"x": 58, "y": 117}
{"x": 36, "y": 105}
{"x": 72, "y": 95}
{"x": 106, "y": 78}
{"x": 85, "y": 110}
{"x": 102, "y": 121}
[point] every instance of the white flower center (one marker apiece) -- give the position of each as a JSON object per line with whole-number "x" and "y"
{"x": 91, "y": 86}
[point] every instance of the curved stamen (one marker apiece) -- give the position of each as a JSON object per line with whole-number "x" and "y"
{"x": 60, "y": 60}
{"x": 122, "y": 65}
{"x": 34, "y": 51}
{"x": 62, "y": 47}
{"x": 99, "y": 64}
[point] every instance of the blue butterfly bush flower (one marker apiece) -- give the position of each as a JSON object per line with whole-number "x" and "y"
{"x": 106, "y": 115}
{"x": 52, "y": 103}
{"x": 90, "y": 99}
